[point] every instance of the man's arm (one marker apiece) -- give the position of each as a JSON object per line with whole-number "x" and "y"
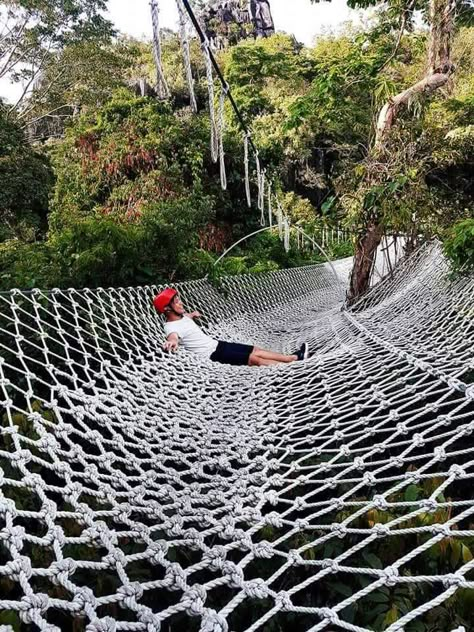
{"x": 193, "y": 315}
{"x": 172, "y": 343}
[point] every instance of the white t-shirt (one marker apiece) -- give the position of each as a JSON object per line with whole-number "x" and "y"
{"x": 191, "y": 336}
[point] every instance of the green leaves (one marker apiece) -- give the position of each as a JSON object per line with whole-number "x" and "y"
{"x": 412, "y": 493}
{"x": 459, "y": 245}
{"x": 372, "y": 560}
{"x": 36, "y": 32}
{"x": 26, "y": 180}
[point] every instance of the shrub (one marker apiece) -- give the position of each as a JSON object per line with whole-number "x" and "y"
{"x": 459, "y": 245}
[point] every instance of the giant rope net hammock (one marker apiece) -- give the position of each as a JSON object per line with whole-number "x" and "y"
{"x": 141, "y": 491}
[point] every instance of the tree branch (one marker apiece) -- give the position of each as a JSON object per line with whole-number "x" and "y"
{"x": 46, "y": 114}
{"x": 390, "y": 110}
{"x": 4, "y": 68}
{"x": 24, "y": 113}
{"x": 403, "y": 22}
{"x": 30, "y": 82}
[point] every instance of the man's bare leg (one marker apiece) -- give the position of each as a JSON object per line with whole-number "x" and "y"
{"x": 271, "y": 355}
{"x": 255, "y": 360}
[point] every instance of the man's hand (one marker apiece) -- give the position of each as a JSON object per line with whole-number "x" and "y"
{"x": 171, "y": 345}
{"x": 194, "y": 315}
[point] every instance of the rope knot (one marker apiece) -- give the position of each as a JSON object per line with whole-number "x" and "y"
{"x": 441, "y": 529}
{"x": 439, "y": 453}
{"x": 329, "y": 615}
{"x": 457, "y": 471}
{"x": 456, "y": 384}
{"x": 14, "y": 536}
{"x": 22, "y": 456}
{"x": 274, "y": 520}
{"x": 283, "y": 601}
{"x": 62, "y": 570}
{"x": 418, "y": 440}
{"x": 380, "y": 502}
{"x": 397, "y": 461}
{"x": 369, "y": 479}
{"x": 413, "y": 477}
{"x": 455, "y": 580}
{"x": 271, "y": 497}
{"x": 228, "y": 527}
{"x": 429, "y": 504}
{"x": 33, "y": 606}
{"x": 301, "y": 524}
{"x": 48, "y": 442}
{"x": 15, "y": 568}
{"x": 256, "y": 589}
{"x": 152, "y": 622}
{"x": 359, "y": 463}
{"x": 194, "y": 540}
{"x": 391, "y": 575}
{"x": 381, "y": 530}
{"x": 402, "y": 428}
{"x": 300, "y": 503}
{"x": 234, "y": 574}
{"x": 99, "y": 533}
{"x": 213, "y": 622}
{"x": 215, "y": 557}
{"x": 107, "y": 624}
{"x": 339, "y": 529}
{"x": 263, "y": 550}
{"x": 345, "y": 450}
{"x": 174, "y": 525}
{"x": 8, "y": 506}
{"x": 175, "y": 577}
{"x": 57, "y": 535}
{"x": 116, "y": 557}
{"x": 84, "y": 600}
{"x": 194, "y": 599}
{"x": 295, "y": 559}
{"x": 159, "y": 551}
{"x": 130, "y": 594}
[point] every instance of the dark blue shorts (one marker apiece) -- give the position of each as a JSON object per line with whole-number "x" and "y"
{"x": 232, "y": 353}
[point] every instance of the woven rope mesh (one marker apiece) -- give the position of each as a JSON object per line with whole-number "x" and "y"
{"x": 140, "y": 491}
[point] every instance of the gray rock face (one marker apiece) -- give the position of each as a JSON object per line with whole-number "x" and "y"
{"x": 261, "y": 16}
{"x": 229, "y": 21}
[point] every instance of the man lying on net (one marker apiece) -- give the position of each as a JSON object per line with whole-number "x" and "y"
{"x": 181, "y": 328}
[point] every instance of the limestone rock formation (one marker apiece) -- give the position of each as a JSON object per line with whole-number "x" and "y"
{"x": 228, "y": 21}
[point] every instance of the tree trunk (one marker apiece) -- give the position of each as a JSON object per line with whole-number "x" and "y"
{"x": 439, "y": 70}
{"x": 364, "y": 260}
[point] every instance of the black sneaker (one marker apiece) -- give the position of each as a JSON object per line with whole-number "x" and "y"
{"x": 303, "y": 352}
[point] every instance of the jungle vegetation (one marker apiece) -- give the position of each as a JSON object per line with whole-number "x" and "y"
{"x": 103, "y": 186}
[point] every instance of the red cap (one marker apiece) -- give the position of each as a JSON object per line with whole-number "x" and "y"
{"x": 164, "y": 299}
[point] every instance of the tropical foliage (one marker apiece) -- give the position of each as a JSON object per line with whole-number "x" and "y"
{"x": 129, "y": 194}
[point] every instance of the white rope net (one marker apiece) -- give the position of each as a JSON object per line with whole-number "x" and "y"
{"x": 141, "y": 491}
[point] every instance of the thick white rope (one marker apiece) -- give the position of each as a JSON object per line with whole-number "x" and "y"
{"x": 212, "y": 111}
{"x": 261, "y": 195}
{"x": 161, "y": 83}
{"x": 269, "y": 203}
{"x": 183, "y": 31}
{"x": 220, "y": 136}
{"x": 247, "y": 170}
{"x": 286, "y": 235}
{"x": 280, "y": 220}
